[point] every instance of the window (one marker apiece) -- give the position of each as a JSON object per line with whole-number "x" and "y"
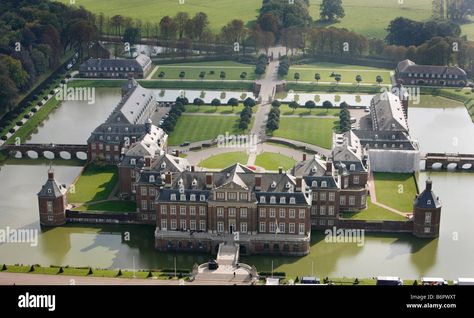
{"x": 314, "y": 184}
{"x": 243, "y": 212}
{"x": 271, "y": 227}
{"x": 107, "y": 147}
{"x": 356, "y": 179}
{"x": 322, "y": 210}
{"x": 272, "y": 199}
{"x": 272, "y": 213}
{"x": 151, "y": 191}
{"x": 143, "y": 191}
{"x": 314, "y": 210}
{"x": 291, "y": 228}
{"x": 192, "y": 197}
{"x": 182, "y": 197}
{"x": 144, "y": 204}
{"x": 220, "y": 227}
{"x": 322, "y": 196}
{"x": 202, "y": 198}
{"x": 291, "y": 213}
{"x": 427, "y": 230}
{"x": 202, "y": 225}
{"x": 332, "y": 195}
{"x": 352, "y": 167}
{"x": 182, "y": 210}
{"x": 182, "y": 224}
{"x": 352, "y": 200}
{"x": 281, "y": 227}
{"x": 301, "y": 228}
{"x": 292, "y": 200}
{"x": 342, "y": 200}
{"x": 428, "y": 202}
{"x": 243, "y": 227}
{"x": 220, "y": 212}
{"x": 202, "y": 210}
{"x": 346, "y": 182}
{"x": 322, "y": 222}
{"x": 49, "y": 206}
{"x": 330, "y": 222}
{"x": 163, "y": 209}
{"x": 428, "y": 217}
{"x": 220, "y": 195}
{"x": 152, "y": 205}
{"x": 282, "y": 213}
{"x": 324, "y": 184}
{"x": 173, "y": 224}
{"x": 192, "y": 225}
{"x": 50, "y": 218}
{"x": 232, "y": 196}
{"x": 231, "y": 212}
{"x": 192, "y": 210}
{"x": 262, "y": 213}
{"x": 262, "y": 228}
{"x": 164, "y": 224}
{"x": 331, "y": 210}
{"x": 363, "y": 199}
{"x": 173, "y": 210}
{"x": 301, "y": 213}
{"x": 116, "y": 148}
{"x": 243, "y": 196}
{"x": 173, "y": 197}
{"x": 262, "y": 199}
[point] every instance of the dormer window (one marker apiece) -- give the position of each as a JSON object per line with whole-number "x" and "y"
{"x": 393, "y": 136}
{"x": 282, "y": 200}
{"x": 194, "y": 183}
{"x": 428, "y": 202}
{"x": 180, "y": 182}
{"x": 163, "y": 165}
{"x": 292, "y": 200}
{"x": 49, "y": 191}
{"x": 192, "y": 197}
{"x": 262, "y": 199}
{"x": 324, "y": 184}
{"x": 182, "y": 197}
{"x": 352, "y": 167}
{"x": 272, "y": 199}
{"x": 274, "y": 184}
{"x": 313, "y": 170}
{"x": 314, "y": 184}
{"x": 202, "y": 198}
{"x": 152, "y": 179}
{"x": 288, "y": 185}
{"x": 173, "y": 197}
{"x": 133, "y": 161}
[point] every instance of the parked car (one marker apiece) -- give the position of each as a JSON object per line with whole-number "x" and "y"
{"x": 212, "y": 265}
{"x": 310, "y": 280}
{"x": 464, "y": 281}
{"x": 184, "y": 144}
{"x": 433, "y": 281}
{"x": 389, "y": 281}
{"x": 353, "y": 120}
{"x": 367, "y": 110}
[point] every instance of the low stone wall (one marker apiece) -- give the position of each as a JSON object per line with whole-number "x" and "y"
{"x": 376, "y": 226}
{"x": 102, "y": 218}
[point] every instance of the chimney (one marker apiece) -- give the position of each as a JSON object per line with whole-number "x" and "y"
{"x": 176, "y": 153}
{"x": 280, "y": 170}
{"x": 147, "y": 163}
{"x": 193, "y": 168}
{"x": 258, "y": 182}
{"x": 299, "y": 183}
{"x": 168, "y": 179}
{"x": 209, "y": 180}
{"x": 304, "y": 157}
{"x": 51, "y": 174}
{"x": 429, "y": 184}
{"x": 329, "y": 167}
{"x": 134, "y": 140}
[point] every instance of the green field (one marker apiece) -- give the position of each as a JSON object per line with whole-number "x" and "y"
{"x": 224, "y": 160}
{"x": 196, "y": 128}
{"x": 95, "y": 184}
{"x": 371, "y": 17}
{"x": 396, "y": 190}
{"x": 332, "y": 88}
{"x": 348, "y": 73}
{"x": 213, "y": 69}
{"x": 285, "y": 110}
{"x": 207, "y": 109}
{"x": 430, "y": 101}
{"x": 220, "y": 12}
{"x": 273, "y": 161}
{"x": 374, "y": 212}
{"x": 315, "y": 131}
{"x": 110, "y": 206}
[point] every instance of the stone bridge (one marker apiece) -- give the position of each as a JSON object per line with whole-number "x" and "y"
{"x": 58, "y": 151}
{"x": 449, "y": 161}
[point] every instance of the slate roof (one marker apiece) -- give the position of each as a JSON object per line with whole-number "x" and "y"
{"x": 140, "y": 62}
{"x": 331, "y": 182}
{"x": 134, "y": 104}
{"x": 407, "y": 66}
{"x": 312, "y": 166}
{"x": 387, "y": 112}
{"x": 376, "y": 139}
{"x": 52, "y": 189}
{"x": 427, "y": 199}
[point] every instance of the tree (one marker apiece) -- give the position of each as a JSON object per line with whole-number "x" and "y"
{"x": 243, "y": 75}
{"x": 331, "y": 10}
{"x": 162, "y": 74}
{"x": 181, "y": 19}
{"x": 198, "y": 24}
{"x": 234, "y": 31}
{"x": 198, "y": 102}
{"x": 310, "y": 105}
{"x": 317, "y": 77}
{"x": 168, "y": 28}
{"x": 379, "y": 79}
{"x": 182, "y": 75}
{"x": 343, "y": 105}
{"x": 296, "y": 76}
{"x": 222, "y": 75}
{"x": 358, "y": 79}
{"x": 131, "y": 35}
{"x": 276, "y": 103}
{"x": 216, "y": 102}
{"x": 233, "y": 102}
{"x": 272, "y": 124}
{"x": 249, "y": 102}
{"x": 337, "y": 78}
{"x": 327, "y": 104}
{"x": 202, "y": 74}
{"x": 116, "y": 22}
{"x": 293, "y": 105}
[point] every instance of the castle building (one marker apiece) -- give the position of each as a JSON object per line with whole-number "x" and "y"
{"x": 426, "y": 213}
{"x": 138, "y": 67}
{"x": 409, "y": 73}
{"x": 52, "y": 202}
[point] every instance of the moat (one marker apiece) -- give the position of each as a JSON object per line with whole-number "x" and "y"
{"x": 400, "y": 255}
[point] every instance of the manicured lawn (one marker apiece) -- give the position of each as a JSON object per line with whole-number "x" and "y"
{"x": 371, "y": 17}
{"x": 224, "y": 160}
{"x": 196, "y": 128}
{"x": 95, "y": 184}
{"x": 303, "y": 111}
{"x": 333, "y": 88}
{"x": 213, "y": 69}
{"x": 429, "y": 101}
{"x": 219, "y": 12}
{"x": 316, "y": 131}
{"x": 110, "y": 206}
{"x": 348, "y": 72}
{"x": 272, "y": 161}
{"x": 207, "y": 109}
{"x": 396, "y": 190}
{"x": 374, "y": 212}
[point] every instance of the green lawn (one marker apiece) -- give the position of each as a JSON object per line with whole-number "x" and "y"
{"x": 303, "y": 111}
{"x": 316, "y": 131}
{"x": 396, "y": 190}
{"x": 374, "y": 212}
{"x": 348, "y": 72}
{"x": 333, "y": 88}
{"x": 213, "y": 69}
{"x": 430, "y": 101}
{"x": 219, "y": 12}
{"x": 95, "y": 184}
{"x": 110, "y": 206}
{"x": 196, "y": 128}
{"x": 371, "y": 17}
{"x": 207, "y": 109}
{"x": 273, "y": 161}
{"x": 224, "y": 160}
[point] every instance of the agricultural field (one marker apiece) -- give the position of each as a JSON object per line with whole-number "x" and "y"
{"x": 312, "y": 130}
{"x": 220, "y": 12}
{"x": 212, "y": 70}
{"x": 371, "y": 17}
{"x": 348, "y": 73}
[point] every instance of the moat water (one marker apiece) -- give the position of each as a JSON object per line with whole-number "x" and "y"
{"x": 449, "y": 256}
